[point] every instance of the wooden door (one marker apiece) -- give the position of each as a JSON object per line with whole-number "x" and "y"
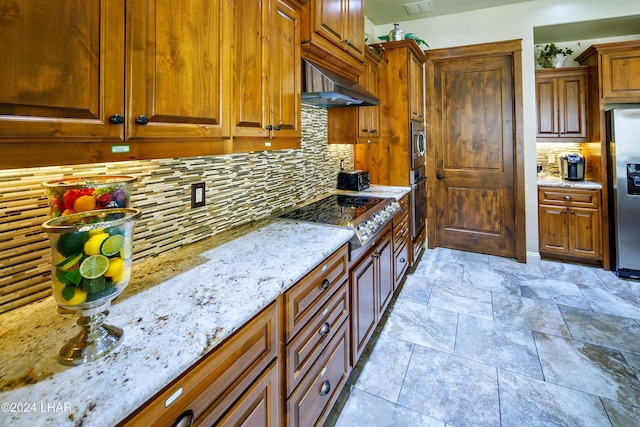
{"x": 474, "y": 154}
{"x": 572, "y": 99}
{"x": 416, "y": 88}
{"x": 63, "y": 72}
{"x": 329, "y": 20}
{"x": 386, "y": 279}
{"x": 354, "y": 27}
{"x": 546, "y": 102}
{"x": 178, "y": 69}
{"x": 584, "y": 231}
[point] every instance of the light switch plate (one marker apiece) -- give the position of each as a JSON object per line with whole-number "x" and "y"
{"x": 197, "y": 195}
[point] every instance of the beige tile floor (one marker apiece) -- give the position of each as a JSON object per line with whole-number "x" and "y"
{"x": 478, "y": 340}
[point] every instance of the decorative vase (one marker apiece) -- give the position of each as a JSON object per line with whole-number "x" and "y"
{"x": 90, "y": 266}
{"x": 397, "y": 33}
{"x": 558, "y": 60}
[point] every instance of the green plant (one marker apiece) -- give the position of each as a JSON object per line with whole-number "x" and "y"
{"x": 548, "y": 52}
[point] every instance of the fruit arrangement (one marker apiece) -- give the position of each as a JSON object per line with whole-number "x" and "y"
{"x": 91, "y": 256}
{"x": 73, "y": 195}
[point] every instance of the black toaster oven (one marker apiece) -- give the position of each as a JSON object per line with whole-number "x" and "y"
{"x": 354, "y": 180}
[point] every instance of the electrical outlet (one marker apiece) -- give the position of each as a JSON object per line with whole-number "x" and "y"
{"x": 551, "y": 159}
{"x": 197, "y": 195}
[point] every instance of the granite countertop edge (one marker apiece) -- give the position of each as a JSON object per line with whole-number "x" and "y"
{"x": 177, "y": 308}
{"x": 554, "y": 181}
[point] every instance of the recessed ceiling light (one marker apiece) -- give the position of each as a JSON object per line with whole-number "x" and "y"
{"x": 418, "y": 7}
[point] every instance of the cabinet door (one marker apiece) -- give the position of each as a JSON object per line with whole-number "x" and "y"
{"x": 354, "y": 27}
{"x": 364, "y": 309}
{"x": 285, "y": 73}
{"x": 621, "y": 75}
{"x": 329, "y": 18}
{"x": 258, "y": 406}
{"x": 63, "y": 72}
{"x": 546, "y": 101}
{"x": 386, "y": 279}
{"x": 584, "y": 231}
{"x": 553, "y": 229}
{"x": 369, "y": 117}
{"x": 251, "y": 67}
{"x": 572, "y": 101}
{"x": 178, "y": 69}
{"x": 416, "y": 88}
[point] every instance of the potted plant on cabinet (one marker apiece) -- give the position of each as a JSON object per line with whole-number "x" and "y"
{"x": 551, "y": 56}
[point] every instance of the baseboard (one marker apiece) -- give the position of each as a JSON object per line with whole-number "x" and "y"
{"x": 533, "y": 258}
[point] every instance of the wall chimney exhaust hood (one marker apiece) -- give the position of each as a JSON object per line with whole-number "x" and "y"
{"x": 325, "y": 88}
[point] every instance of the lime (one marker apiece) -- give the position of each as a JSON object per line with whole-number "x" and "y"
{"x": 92, "y": 247}
{"x": 92, "y": 286}
{"x": 69, "y": 262}
{"x": 71, "y": 243}
{"x": 112, "y": 245}
{"x": 94, "y": 266}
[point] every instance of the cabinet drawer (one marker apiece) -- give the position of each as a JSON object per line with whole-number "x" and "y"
{"x": 306, "y": 297}
{"x": 216, "y": 381}
{"x": 404, "y": 210}
{"x": 309, "y": 343}
{"x": 312, "y": 400}
{"x": 400, "y": 231}
{"x": 401, "y": 261}
{"x": 569, "y": 197}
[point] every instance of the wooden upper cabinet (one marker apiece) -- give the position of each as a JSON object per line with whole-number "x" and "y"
{"x": 62, "y": 80}
{"x": 89, "y": 75}
{"x": 267, "y": 75}
{"x": 621, "y": 75}
{"x": 562, "y": 104}
{"x": 369, "y": 117}
{"x": 333, "y": 35}
{"x": 178, "y": 69}
{"x": 416, "y": 87}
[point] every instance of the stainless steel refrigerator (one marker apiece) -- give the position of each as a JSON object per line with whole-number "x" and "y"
{"x": 623, "y": 135}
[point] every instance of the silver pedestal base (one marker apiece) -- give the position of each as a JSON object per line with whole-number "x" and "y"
{"x": 93, "y": 342}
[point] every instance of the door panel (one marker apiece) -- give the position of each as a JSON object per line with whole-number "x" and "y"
{"x": 474, "y": 154}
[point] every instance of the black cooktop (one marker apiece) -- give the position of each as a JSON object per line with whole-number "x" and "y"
{"x": 336, "y": 209}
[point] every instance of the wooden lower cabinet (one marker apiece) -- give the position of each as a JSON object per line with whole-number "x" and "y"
{"x": 401, "y": 245}
{"x": 259, "y": 405}
{"x": 229, "y": 373}
{"x": 569, "y": 223}
{"x": 372, "y": 286}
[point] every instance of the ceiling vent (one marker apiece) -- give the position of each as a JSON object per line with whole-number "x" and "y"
{"x": 418, "y": 7}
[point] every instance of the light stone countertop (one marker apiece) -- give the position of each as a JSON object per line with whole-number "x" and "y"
{"x": 556, "y": 181}
{"x": 176, "y": 309}
{"x": 381, "y": 191}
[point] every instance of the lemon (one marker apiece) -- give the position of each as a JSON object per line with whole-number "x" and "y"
{"x": 94, "y": 266}
{"x": 96, "y": 231}
{"x": 123, "y": 275}
{"x": 112, "y": 245}
{"x": 116, "y": 265}
{"x": 79, "y": 297}
{"x": 84, "y": 203}
{"x": 92, "y": 247}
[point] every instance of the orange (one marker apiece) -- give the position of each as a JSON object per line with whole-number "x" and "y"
{"x": 84, "y": 203}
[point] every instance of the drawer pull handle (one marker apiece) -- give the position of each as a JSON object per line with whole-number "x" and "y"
{"x": 326, "y": 328}
{"x": 142, "y": 120}
{"x": 567, "y": 197}
{"x": 325, "y": 285}
{"x": 326, "y": 388}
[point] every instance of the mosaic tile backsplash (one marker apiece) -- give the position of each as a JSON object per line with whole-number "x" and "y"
{"x": 239, "y": 188}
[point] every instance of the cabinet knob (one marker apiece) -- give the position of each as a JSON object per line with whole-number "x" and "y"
{"x": 402, "y": 260}
{"x": 373, "y": 131}
{"x": 326, "y": 328}
{"x": 564, "y": 211}
{"x": 572, "y": 212}
{"x": 365, "y": 130}
{"x": 440, "y": 176}
{"x": 116, "y": 119}
{"x": 324, "y": 285}
{"x": 567, "y": 197}
{"x": 269, "y": 127}
{"x": 326, "y": 388}
{"x": 142, "y": 120}
{"x": 277, "y": 127}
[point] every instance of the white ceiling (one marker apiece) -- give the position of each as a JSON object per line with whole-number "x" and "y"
{"x": 390, "y": 11}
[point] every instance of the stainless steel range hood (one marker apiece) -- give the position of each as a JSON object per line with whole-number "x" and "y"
{"x": 324, "y": 88}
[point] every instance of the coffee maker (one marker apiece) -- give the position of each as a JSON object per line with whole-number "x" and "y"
{"x": 572, "y": 166}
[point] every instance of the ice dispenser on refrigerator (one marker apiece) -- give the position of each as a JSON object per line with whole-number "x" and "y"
{"x": 623, "y": 135}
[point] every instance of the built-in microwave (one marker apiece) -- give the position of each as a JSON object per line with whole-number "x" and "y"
{"x": 418, "y": 145}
